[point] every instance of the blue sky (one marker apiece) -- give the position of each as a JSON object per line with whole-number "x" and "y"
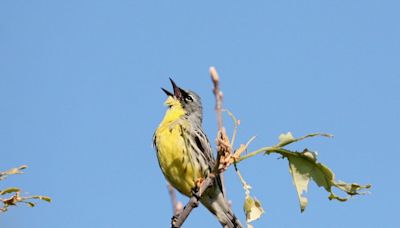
{"x": 80, "y": 98}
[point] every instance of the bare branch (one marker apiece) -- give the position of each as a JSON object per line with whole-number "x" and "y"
{"x": 12, "y": 171}
{"x": 236, "y": 123}
{"x": 218, "y": 96}
{"x": 176, "y": 205}
{"x": 180, "y": 218}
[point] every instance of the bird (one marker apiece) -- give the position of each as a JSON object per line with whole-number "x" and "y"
{"x": 184, "y": 153}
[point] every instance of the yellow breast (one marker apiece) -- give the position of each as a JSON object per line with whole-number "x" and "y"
{"x": 172, "y": 151}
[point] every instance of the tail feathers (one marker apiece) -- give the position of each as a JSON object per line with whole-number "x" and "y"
{"x": 220, "y": 208}
{"x": 233, "y": 221}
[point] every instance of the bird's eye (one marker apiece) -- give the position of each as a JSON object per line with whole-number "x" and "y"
{"x": 189, "y": 98}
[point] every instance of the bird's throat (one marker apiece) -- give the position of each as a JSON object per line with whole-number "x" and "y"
{"x": 174, "y": 112}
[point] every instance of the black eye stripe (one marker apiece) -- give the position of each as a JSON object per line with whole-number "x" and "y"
{"x": 189, "y": 98}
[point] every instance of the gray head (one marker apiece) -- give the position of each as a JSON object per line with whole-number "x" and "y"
{"x": 189, "y": 100}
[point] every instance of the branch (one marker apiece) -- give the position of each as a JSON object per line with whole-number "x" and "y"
{"x": 180, "y": 218}
{"x": 218, "y": 96}
{"x": 285, "y": 139}
{"x": 224, "y": 157}
{"x": 3, "y": 175}
{"x": 236, "y": 123}
{"x": 176, "y": 205}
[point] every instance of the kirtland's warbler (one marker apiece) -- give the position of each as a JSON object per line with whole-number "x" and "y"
{"x": 184, "y": 152}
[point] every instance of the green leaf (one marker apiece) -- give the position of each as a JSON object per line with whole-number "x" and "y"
{"x": 285, "y": 139}
{"x": 252, "y": 208}
{"x": 9, "y": 190}
{"x": 301, "y": 183}
{"x": 45, "y": 198}
{"x": 30, "y": 204}
{"x": 304, "y": 166}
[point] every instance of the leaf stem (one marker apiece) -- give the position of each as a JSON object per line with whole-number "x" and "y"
{"x": 254, "y": 153}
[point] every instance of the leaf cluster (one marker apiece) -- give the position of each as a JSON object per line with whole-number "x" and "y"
{"x": 303, "y": 167}
{"x": 12, "y": 196}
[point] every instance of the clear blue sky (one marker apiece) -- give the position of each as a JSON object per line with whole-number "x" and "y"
{"x": 80, "y": 98}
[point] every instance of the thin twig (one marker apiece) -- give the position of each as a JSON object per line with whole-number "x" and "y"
{"x": 218, "y": 96}
{"x": 252, "y": 154}
{"x": 236, "y": 123}
{"x": 246, "y": 187}
{"x": 180, "y": 218}
{"x": 176, "y": 205}
{"x": 279, "y": 147}
{"x": 12, "y": 171}
{"x": 242, "y": 148}
{"x": 172, "y": 195}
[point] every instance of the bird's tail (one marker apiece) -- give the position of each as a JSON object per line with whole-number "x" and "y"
{"x": 217, "y": 205}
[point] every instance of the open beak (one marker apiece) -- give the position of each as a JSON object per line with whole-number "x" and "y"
{"x": 167, "y": 92}
{"x": 177, "y": 91}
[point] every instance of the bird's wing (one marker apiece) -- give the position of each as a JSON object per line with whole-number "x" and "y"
{"x": 203, "y": 144}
